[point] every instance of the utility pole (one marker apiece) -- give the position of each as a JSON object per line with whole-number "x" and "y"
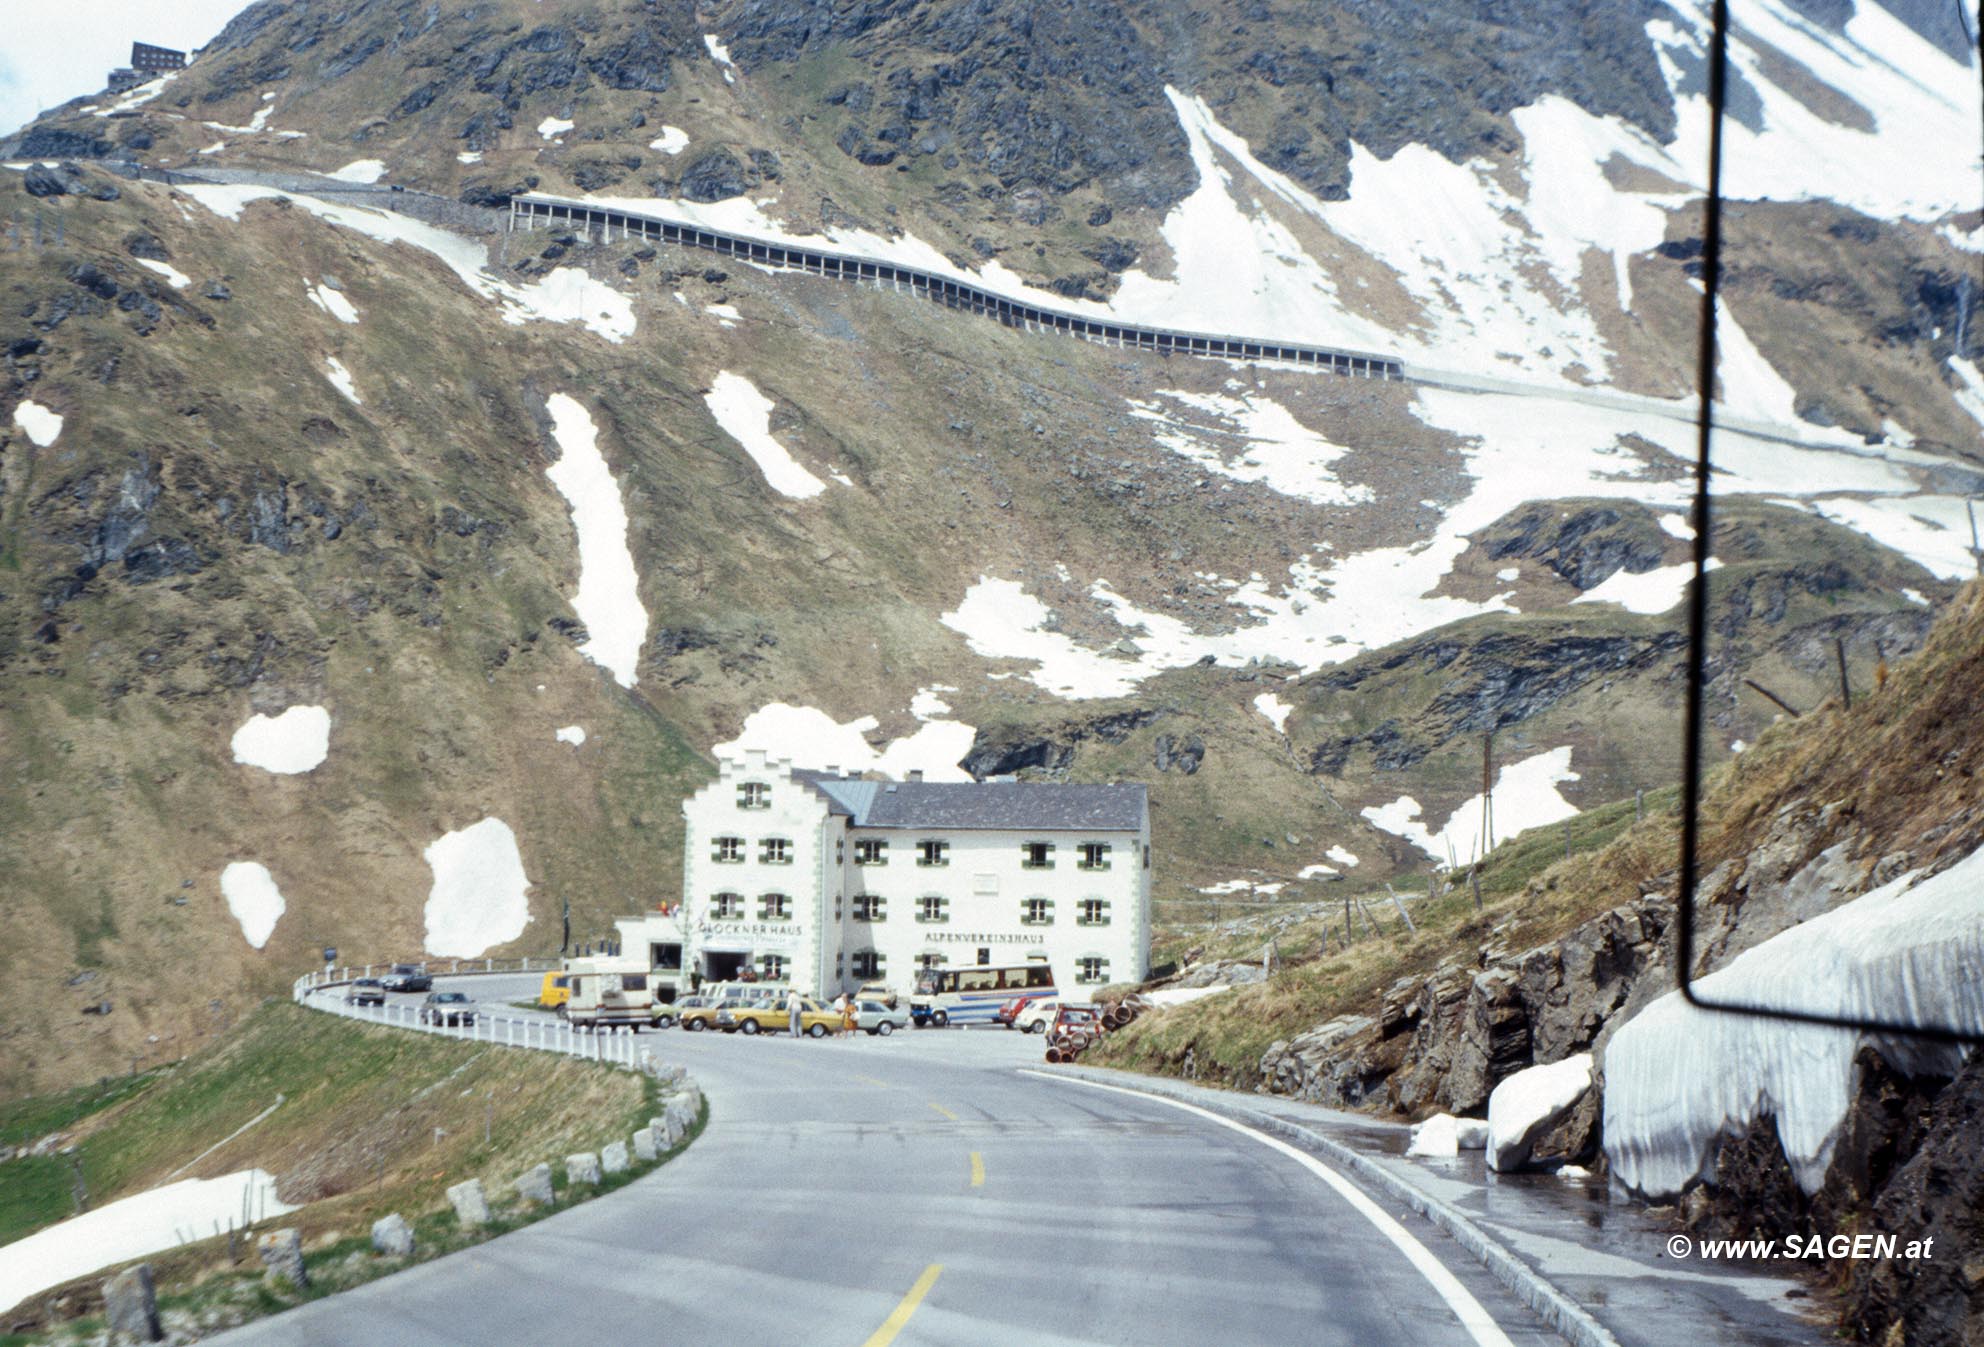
{"x": 1487, "y": 792}
{"x": 1845, "y": 692}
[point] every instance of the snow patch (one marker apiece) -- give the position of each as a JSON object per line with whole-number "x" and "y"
{"x": 608, "y": 600}
{"x": 478, "y": 899}
{"x": 721, "y": 55}
{"x": 1676, "y": 526}
{"x": 745, "y": 415}
{"x": 812, "y": 738}
{"x": 132, "y": 1227}
{"x": 1677, "y": 1076}
{"x": 574, "y": 735}
{"x": 927, "y": 705}
{"x": 1436, "y": 1138}
{"x": 340, "y": 378}
{"x": 726, "y": 312}
{"x": 296, "y": 741}
{"x": 1525, "y": 796}
{"x": 552, "y": 127}
{"x": 1280, "y": 452}
{"x": 144, "y": 93}
{"x": 174, "y": 277}
{"x": 1524, "y": 1105}
{"x": 672, "y": 140}
{"x": 1342, "y": 856}
{"x": 469, "y": 157}
{"x": 40, "y": 424}
{"x": 253, "y": 898}
{"x": 1275, "y": 709}
{"x": 1914, "y": 596}
{"x": 333, "y": 303}
{"x": 1654, "y": 591}
{"x": 361, "y": 171}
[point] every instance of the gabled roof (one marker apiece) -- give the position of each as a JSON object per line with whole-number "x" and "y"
{"x": 1007, "y": 806}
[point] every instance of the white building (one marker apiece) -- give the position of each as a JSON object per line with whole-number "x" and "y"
{"x": 828, "y": 881}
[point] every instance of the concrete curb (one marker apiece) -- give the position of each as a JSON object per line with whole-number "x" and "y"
{"x": 1572, "y": 1321}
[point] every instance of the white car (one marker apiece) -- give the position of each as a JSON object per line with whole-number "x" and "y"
{"x": 1037, "y": 1015}
{"x": 877, "y": 1018}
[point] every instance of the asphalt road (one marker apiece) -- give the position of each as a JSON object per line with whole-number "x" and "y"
{"x": 930, "y": 1188}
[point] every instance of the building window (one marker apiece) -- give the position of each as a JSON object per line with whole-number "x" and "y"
{"x": 1095, "y": 856}
{"x": 1094, "y": 912}
{"x": 1037, "y": 912}
{"x": 840, "y": 851}
{"x": 754, "y": 795}
{"x": 870, "y": 907}
{"x": 772, "y": 967}
{"x": 868, "y": 963}
{"x": 1146, "y": 855}
{"x": 1036, "y": 855}
{"x": 774, "y": 851}
{"x": 931, "y": 907}
{"x": 927, "y": 963}
{"x": 933, "y": 852}
{"x": 1091, "y": 970}
{"x": 871, "y": 851}
{"x": 727, "y": 906}
{"x": 729, "y": 851}
{"x": 774, "y": 907}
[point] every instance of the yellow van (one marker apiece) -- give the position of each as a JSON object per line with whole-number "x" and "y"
{"x": 557, "y": 990}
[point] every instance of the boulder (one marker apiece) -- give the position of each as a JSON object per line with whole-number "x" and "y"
{"x": 582, "y": 1167}
{"x": 1531, "y": 1102}
{"x": 647, "y": 1146}
{"x": 282, "y": 1255}
{"x": 534, "y": 1185}
{"x": 470, "y": 1204}
{"x": 392, "y": 1236}
{"x": 130, "y": 1306}
{"x": 613, "y": 1157}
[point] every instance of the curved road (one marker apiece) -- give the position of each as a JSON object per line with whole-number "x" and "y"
{"x": 931, "y": 1188}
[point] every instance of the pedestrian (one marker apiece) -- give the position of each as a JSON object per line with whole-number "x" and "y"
{"x": 846, "y": 1016}
{"x": 793, "y": 1006}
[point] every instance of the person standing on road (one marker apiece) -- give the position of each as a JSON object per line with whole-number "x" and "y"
{"x": 847, "y": 1016}
{"x": 793, "y": 1005}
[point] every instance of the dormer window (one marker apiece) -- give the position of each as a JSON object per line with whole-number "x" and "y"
{"x": 754, "y": 795}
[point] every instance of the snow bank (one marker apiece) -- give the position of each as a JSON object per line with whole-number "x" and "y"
{"x": 1677, "y": 1077}
{"x": 1275, "y": 709}
{"x": 570, "y": 295}
{"x": 574, "y": 735}
{"x": 333, "y": 303}
{"x": 1526, "y": 1105}
{"x": 672, "y": 140}
{"x": 608, "y": 599}
{"x": 745, "y": 415}
{"x": 174, "y": 277}
{"x": 133, "y": 1227}
{"x": 296, "y": 741}
{"x": 1525, "y": 797}
{"x": 1436, "y": 1138}
{"x": 479, "y": 885}
{"x": 1276, "y": 449}
{"x": 812, "y": 738}
{"x": 40, "y": 424}
{"x": 340, "y": 378}
{"x": 253, "y": 898}
{"x": 361, "y": 171}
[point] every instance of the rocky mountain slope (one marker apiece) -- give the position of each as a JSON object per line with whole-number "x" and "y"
{"x": 477, "y": 495}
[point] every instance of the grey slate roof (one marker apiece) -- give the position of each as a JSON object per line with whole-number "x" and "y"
{"x": 990, "y": 805}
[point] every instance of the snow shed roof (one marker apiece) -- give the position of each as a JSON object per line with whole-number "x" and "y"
{"x": 1005, "y": 806}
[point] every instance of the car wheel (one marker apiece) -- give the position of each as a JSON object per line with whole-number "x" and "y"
{"x": 664, "y": 1022}
{"x": 940, "y": 1018}
{"x": 1037, "y": 1027}
{"x": 693, "y": 1026}
{"x": 817, "y": 1031}
{"x": 885, "y": 1028}
{"x": 748, "y": 1027}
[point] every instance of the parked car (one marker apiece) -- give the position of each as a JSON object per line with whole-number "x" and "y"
{"x": 556, "y": 991}
{"x": 407, "y": 977}
{"x": 1075, "y": 1019}
{"x": 878, "y": 991}
{"x": 447, "y": 1008}
{"x": 664, "y": 1014}
{"x": 1008, "y": 1011}
{"x": 702, "y": 1015}
{"x": 771, "y": 1017}
{"x": 365, "y": 992}
{"x": 1035, "y": 1016}
{"x": 880, "y": 1018}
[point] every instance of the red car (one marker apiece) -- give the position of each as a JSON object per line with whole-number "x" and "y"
{"x": 1009, "y": 1010}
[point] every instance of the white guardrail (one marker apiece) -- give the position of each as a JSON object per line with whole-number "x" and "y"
{"x": 323, "y": 991}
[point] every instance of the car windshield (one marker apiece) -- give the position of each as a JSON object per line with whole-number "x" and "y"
{"x": 449, "y": 998}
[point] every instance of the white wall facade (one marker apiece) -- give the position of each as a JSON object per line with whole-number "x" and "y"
{"x": 984, "y": 884}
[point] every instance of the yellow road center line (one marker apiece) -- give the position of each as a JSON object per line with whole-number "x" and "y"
{"x": 893, "y": 1325}
{"x": 871, "y": 1080}
{"x": 942, "y": 1110}
{"x": 977, "y": 1170}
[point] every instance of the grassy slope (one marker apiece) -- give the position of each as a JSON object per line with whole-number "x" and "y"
{"x": 1901, "y": 767}
{"x": 372, "y": 1120}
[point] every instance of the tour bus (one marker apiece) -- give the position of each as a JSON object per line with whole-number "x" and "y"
{"x": 609, "y": 993}
{"x": 972, "y": 995}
